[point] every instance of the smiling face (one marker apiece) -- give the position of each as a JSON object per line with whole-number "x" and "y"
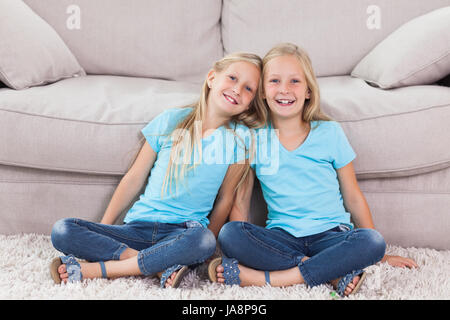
{"x": 232, "y": 90}
{"x": 285, "y": 87}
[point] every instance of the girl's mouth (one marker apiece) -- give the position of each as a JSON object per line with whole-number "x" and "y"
{"x": 285, "y": 102}
{"x": 230, "y": 99}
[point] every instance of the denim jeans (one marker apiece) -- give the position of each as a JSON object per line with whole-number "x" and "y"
{"x": 160, "y": 245}
{"x": 332, "y": 254}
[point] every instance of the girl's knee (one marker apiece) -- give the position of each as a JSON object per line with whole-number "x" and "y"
{"x": 60, "y": 232}
{"x": 229, "y": 231}
{"x": 230, "y": 236}
{"x": 206, "y": 241}
{"x": 375, "y": 243}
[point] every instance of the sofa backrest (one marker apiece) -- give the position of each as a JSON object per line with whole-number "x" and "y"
{"x": 336, "y": 34}
{"x": 181, "y": 39}
{"x": 167, "y": 39}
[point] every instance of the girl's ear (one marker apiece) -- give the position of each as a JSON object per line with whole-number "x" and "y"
{"x": 210, "y": 77}
{"x": 308, "y": 94}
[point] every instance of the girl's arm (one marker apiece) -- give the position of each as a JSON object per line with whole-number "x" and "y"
{"x": 131, "y": 183}
{"x": 241, "y": 205}
{"x": 226, "y": 197}
{"x": 356, "y": 204}
{"x": 354, "y": 200}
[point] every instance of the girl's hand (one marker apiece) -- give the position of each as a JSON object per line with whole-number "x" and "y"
{"x": 401, "y": 262}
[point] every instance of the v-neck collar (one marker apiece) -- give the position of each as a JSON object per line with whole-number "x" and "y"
{"x": 299, "y": 146}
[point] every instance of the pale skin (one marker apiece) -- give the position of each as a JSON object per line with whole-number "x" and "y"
{"x": 285, "y": 91}
{"x": 231, "y": 92}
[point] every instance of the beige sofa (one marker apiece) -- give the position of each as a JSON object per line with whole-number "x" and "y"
{"x": 65, "y": 145}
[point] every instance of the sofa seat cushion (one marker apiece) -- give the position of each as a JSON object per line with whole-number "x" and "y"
{"x": 89, "y": 124}
{"x": 92, "y": 124}
{"x": 397, "y": 132}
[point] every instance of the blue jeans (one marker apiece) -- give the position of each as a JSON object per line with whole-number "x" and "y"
{"x": 160, "y": 245}
{"x": 332, "y": 254}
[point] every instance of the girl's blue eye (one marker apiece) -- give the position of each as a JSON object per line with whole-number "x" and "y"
{"x": 232, "y": 77}
{"x": 248, "y": 89}
{"x": 295, "y": 81}
{"x": 273, "y": 80}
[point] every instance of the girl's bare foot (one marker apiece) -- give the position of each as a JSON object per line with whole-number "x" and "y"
{"x": 247, "y": 276}
{"x": 114, "y": 269}
{"x": 88, "y": 270}
{"x": 252, "y": 277}
{"x": 170, "y": 279}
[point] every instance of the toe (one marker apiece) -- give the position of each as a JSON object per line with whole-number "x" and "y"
{"x": 62, "y": 268}
{"x": 64, "y": 276}
{"x": 219, "y": 268}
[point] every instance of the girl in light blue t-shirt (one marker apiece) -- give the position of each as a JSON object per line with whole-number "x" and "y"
{"x": 191, "y": 157}
{"x": 304, "y": 165}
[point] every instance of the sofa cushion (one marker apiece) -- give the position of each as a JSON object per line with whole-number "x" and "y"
{"x": 336, "y": 34}
{"x": 170, "y": 39}
{"x": 92, "y": 124}
{"x": 31, "y": 52}
{"x": 416, "y": 53}
{"x": 397, "y": 132}
{"x": 89, "y": 124}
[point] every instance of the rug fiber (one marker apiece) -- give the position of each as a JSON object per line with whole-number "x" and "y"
{"x": 24, "y": 274}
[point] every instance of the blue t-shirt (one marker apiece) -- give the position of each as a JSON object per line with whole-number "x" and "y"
{"x": 194, "y": 196}
{"x": 300, "y": 187}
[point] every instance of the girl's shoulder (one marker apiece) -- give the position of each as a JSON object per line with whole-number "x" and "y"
{"x": 175, "y": 114}
{"x": 326, "y": 126}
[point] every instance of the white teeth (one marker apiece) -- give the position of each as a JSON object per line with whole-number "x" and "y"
{"x": 230, "y": 99}
{"x": 285, "y": 101}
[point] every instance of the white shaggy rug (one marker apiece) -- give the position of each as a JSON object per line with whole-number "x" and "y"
{"x": 24, "y": 274}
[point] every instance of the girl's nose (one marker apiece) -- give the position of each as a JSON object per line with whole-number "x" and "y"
{"x": 283, "y": 89}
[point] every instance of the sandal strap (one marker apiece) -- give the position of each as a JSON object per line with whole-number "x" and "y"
{"x": 73, "y": 268}
{"x": 167, "y": 273}
{"x": 267, "y": 275}
{"x": 345, "y": 280}
{"x": 231, "y": 271}
{"x": 102, "y": 266}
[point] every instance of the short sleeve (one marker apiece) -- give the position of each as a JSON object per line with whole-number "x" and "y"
{"x": 155, "y": 132}
{"x": 343, "y": 151}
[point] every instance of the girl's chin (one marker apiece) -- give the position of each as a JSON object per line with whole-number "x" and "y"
{"x": 230, "y": 110}
{"x": 285, "y": 113}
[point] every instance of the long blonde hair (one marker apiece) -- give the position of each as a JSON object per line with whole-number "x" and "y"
{"x": 183, "y": 148}
{"x": 311, "y": 108}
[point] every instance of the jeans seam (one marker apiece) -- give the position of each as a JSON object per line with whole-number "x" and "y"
{"x": 118, "y": 252}
{"x": 117, "y": 235}
{"x": 306, "y": 275}
{"x": 142, "y": 254}
{"x": 155, "y": 232}
{"x": 263, "y": 244}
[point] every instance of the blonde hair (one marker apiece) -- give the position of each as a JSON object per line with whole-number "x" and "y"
{"x": 311, "y": 108}
{"x": 254, "y": 117}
